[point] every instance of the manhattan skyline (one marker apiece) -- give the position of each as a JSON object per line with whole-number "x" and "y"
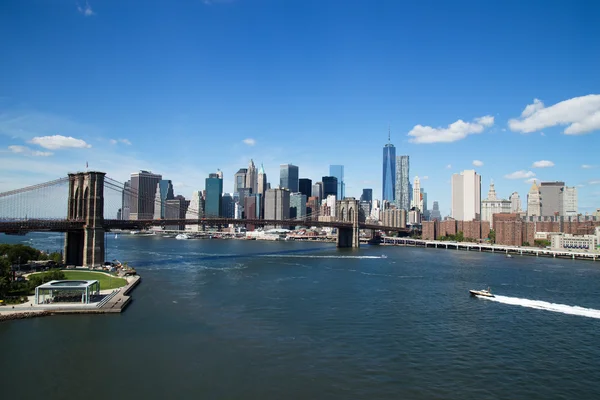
{"x": 184, "y": 89}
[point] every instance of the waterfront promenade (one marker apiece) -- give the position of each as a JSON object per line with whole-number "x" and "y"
{"x": 492, "y": 248}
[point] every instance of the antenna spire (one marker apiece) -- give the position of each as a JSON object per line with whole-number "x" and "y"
{"x": 389, "y": 134}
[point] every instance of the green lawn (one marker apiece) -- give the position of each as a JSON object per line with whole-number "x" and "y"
{"x": 106, "y": 282}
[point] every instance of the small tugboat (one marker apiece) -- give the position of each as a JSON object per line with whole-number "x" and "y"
{"x": 483, "y": 292}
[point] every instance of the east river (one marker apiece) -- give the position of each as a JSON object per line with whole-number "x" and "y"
{"x": 233, "y": 319}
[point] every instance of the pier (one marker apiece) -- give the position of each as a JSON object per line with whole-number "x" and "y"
{"x": 492, "y": 248}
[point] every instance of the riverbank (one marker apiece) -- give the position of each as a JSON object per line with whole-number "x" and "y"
{"x": 114, "y": 301}
{"x": 492, "y": 248}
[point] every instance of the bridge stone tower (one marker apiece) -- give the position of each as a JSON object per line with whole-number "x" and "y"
{"x": 86, "y": 204}
{"x": 348, "y": 211}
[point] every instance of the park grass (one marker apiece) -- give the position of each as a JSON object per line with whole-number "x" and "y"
{"x": 106, "y": 281}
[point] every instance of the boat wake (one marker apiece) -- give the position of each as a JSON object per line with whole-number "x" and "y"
{"x": 544, "y": 305}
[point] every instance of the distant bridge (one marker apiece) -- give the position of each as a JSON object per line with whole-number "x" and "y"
{"x": 23, "y": 210}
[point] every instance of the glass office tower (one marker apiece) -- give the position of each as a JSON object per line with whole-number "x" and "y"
{"x": 338, "y": 172}
{"x": 389, "y": 173}
{"x": 288, "y": 177}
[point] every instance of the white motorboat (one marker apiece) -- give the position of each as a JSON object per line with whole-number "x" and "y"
{"x": 482, "y": 292}
{"x": 182, "y": 236}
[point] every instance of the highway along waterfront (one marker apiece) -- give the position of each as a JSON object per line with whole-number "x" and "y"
{"x": 236, "y": 319}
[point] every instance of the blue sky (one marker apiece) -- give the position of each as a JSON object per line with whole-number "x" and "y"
{"x": 183, "y": 88}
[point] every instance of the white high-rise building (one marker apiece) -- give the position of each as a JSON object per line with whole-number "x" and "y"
{"x": 195, "y": 211}
{"x": 515, "y": 203}
{"x": 570, "y": 201}
{"x": 417, "y": 200}
{"x": 493, "y": 205}
{"x": 403, "y": 194}
{"x": 331, "y": 203}
{"x": 534, "y": 201}
{"x": 466, "y": 196}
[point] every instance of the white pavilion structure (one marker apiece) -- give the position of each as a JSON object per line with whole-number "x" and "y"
{"x": 67, "y": 291}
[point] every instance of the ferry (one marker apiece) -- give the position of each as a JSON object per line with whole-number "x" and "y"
{"x": 482, "y": 292}
{"x": 182, "y": 236}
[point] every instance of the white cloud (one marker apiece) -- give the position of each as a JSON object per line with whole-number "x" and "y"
{"x": 580, "y": 185}
{"x": 581, "y": 114}
{"x": 424, "y": 178}
{"x": 449, "y": 166}
{"x": 542, "y": 164}
{"x": 124, "y": 141}
{"x": 59, "y": 142}
{"x": 85, "y": 10}
{"x": 542, "y": 134}
{"x": 477, "y": 163}
{"x": 594, "y": 182}
{"x": 26, "y": 151}
{"x": 587, "y": 166}
{"x": 455, "y": 131}
{"x": 530, "y": 180}
{"x": 522, "y": 174}
{"x": 249, "y": 141}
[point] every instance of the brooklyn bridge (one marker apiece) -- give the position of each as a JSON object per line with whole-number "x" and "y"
{"x": 76, "y": 205}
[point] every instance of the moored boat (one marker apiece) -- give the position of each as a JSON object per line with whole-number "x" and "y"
{"x": 182, "y": 236}
{"x": 482, "y": 292}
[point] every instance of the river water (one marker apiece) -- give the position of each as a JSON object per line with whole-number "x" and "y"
{"x": 232, "y": 319}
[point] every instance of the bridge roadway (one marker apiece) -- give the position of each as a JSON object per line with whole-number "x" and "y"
{"x": 16, "y": 226}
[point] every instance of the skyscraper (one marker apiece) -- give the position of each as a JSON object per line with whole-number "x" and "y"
{"x": 251, "y": 177}
{"x": 143, "y": 188}
{"x": 416, "y": 198}
{"x": 288, "y": 177}
{"x": 227, "y": 205}
{"x": 214, "y": 191}
{"x": 305, "y": 187}
{"x": 515, "y": 203}
{"x": 239, "y": 180}
{"x": 338, "y": 172}
{"x": 195, "y": 211}
{"x": 297, "y": 205}
{"x": 262, "y": 181}
{"x": 367, "y": 195}
{"x": 404, "y": 191}
{"x": 126, "y": 201}
{"x": 164, "y": 192}
{"x": 466, "y": 196}
{"x": 552, "y": 201}
{"x": 317, "y": 191}
{"x": 534, "y": 202}
{"x": 389, "y": 171}
{"x": 277, "y": 204}
{"x": 435, "y": 212}
{"x": 570, "y": 201}
{"x": 329, "y": 186}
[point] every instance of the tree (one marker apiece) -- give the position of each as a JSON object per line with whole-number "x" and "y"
{"x": 460, "y": 236}
{"x": 4, "y": 276}
{"x": 492, "y": 236}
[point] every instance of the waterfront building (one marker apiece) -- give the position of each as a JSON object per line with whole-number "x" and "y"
{"x": 214, "y": 190}
{"x": 367, "y": 195}
{"x": 414, "y": 216}
{"x": 288, "y": 177}
{"x": 565, "y": 241}
{"x": 175, "y": 209}
{"x": 466, "y": 196}
{"x": 435, "y": 212}
{"x": 305, "y": 187}
{"x": 570, "y": 201}
{"x": 493, "y": 205}
{"x": 317, "y": 190}
{"x": 338, "y": 172}
{"x": 252, "y": 177}
{"x": 329, "y": 186}
{"x": 277, "y": 204}
{"x": 417, "y": 200}
{"x": 515, "y": 203}
{"x": 239, "y": 180}
{"x": 312, "y": 207}
{"x": 388, "y": 185}
{"x": 404, "y": 190}
{"x": 297, "y": 205}
{"x": 534, "y": 202}
{"x": 143, "y": 194}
